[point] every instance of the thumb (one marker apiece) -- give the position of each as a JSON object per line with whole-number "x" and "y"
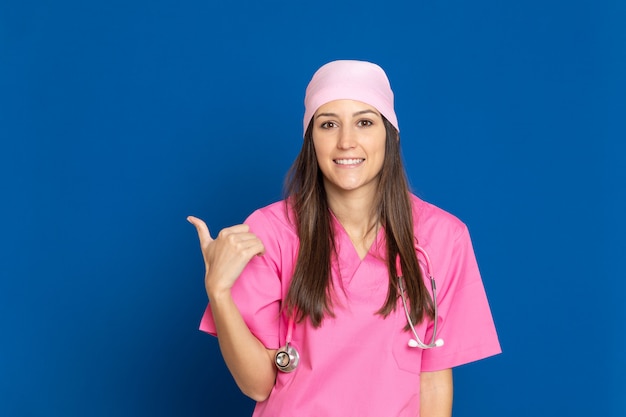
{"x": 203, "y": 231}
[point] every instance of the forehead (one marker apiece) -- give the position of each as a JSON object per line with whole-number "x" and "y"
{"x": 345, "y": 107}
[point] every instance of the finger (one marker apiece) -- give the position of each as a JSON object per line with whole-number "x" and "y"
{"x": 257, "y": 246}
{"x": 236, "y": 229}
{"x": 203, "y": 231}
{"x": 254, "y": 246}
{"x": 243, "y": 241}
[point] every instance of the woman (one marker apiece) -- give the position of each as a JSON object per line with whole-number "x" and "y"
{"x": 305, "y": 297}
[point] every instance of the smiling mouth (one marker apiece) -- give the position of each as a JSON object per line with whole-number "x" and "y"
{"x": 351, "y": 161}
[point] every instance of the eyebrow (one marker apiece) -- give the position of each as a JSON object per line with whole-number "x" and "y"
{"x": 359, "y": 113}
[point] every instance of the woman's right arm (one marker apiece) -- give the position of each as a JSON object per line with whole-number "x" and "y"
{"x": 249, "y": 361}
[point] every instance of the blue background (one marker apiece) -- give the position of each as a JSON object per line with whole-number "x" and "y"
{"x": 120, "y": 118}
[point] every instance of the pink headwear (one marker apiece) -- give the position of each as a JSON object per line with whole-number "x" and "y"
{"x": 350, "y": 80}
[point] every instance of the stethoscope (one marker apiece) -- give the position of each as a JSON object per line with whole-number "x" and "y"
{"x": 287, "y": 357}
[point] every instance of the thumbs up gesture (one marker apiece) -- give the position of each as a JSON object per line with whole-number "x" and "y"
{"x": 226, "y": 256}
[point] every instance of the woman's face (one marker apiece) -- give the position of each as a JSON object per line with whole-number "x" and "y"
{"x": 349, "y": 139}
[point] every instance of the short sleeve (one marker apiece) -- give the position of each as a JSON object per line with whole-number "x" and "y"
{"x": 257, "y": 291}
{"x": 465, "y": 321}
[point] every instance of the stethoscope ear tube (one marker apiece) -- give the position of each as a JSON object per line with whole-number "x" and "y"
{"x": 417, "y": 342}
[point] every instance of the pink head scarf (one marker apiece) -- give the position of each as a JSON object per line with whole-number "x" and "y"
{"x": 350, "y": 80}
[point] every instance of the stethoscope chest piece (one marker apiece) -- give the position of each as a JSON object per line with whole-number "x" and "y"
{"x": 287, "y": 358}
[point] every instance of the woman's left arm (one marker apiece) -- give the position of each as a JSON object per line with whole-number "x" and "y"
{"x": 436, "y": 393}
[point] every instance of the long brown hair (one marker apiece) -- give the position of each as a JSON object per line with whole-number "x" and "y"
{"x": 310, "y": 291}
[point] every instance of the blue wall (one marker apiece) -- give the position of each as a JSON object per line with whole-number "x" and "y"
{"x": 120, "y": 118}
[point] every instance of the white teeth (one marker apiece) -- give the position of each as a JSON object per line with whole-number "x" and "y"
{"x": 349, "y": 161}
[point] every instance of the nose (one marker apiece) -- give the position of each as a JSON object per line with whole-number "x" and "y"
{"x": 346, "y": 138}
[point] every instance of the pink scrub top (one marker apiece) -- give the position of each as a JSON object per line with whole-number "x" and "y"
{"x": 359, "y": 363}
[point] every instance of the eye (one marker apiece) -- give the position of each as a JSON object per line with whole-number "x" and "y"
{"x": 365, "y": 123}
{"x": 328, "y": 125}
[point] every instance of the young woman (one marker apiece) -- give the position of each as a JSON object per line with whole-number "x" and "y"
{"x": 323, "y": 303}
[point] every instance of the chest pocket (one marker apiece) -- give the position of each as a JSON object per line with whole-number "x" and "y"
{"x": 407, "y": 358}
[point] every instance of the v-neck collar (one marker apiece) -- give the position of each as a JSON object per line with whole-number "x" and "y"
{"x": 347, "y": 260}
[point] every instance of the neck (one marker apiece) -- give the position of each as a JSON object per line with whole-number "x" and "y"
{"x": 355, "y": 213}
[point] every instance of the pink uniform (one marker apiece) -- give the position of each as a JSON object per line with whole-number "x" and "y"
{"x": 359, "y": 363}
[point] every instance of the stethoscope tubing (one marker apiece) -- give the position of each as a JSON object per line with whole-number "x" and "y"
{"x": 417, "y": 342}
{"x": 287, "y": 357}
